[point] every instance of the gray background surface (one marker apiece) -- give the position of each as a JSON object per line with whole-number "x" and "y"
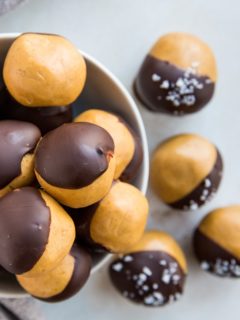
{"x": 119, "y": 33}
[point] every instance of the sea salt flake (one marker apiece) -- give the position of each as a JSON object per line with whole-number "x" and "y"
{"x": 205, "y": 265}
{"x": 166, "y": 277}
{"x": 207, "y": 183}
{"x": 143, "y": 277}
{"x": 193, "y": 206}
{"x": 176, "y": 278}
{"x": 155, "y": 286}
{"x": 208, "y": 81}
{"x": 156, "y": 77}
{"x": 147, "y": 271}
{"x": 149, "y": 300}
{"x": 165, "y": 84}
{"x": 163, "y": 262}
{"x": 145, "y": 288}
{"x": 117, "y": 267}
{"x": 180, "y": 83}
{"x": 128, "y": 259}
{"x": 205, "y": 192}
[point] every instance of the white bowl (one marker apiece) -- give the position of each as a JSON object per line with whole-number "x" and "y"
{"x": 102, "y": 90}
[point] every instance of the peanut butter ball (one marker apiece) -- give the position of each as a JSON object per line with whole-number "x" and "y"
{"x": 217, "y": 242}
{"x": 62, "y": 282}
{"x": 186, "y": 171}
{"x": 17, "y": 143}
{"x": 45, "y": 118}
{"x": 152, "y": 272}
{"x": 178, "y": 75}
{"x": 35, "y": 232}
{"x": 115, "y": 223}
{"x": 44, "y": 70}
{"x": 128, "y": 149}
{"x": 75, "y": 163}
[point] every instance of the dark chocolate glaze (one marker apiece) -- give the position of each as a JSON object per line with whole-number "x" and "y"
{"x": 82, "y": 267}
{"x": 152, "y": 278}
{"x": 17, "y": 138}
{"x": 163, "y": 87}
{"x": 74, "y": 155}
{"x": 214, "y": 258}
{"x": 45, "y": 118}
{"x": 132, "y": 169}
{"x": 24, "y": 229}
{"x": 205, "y": 191}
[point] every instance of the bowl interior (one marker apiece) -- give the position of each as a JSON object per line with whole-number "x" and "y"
{"x": 102, "y": 90}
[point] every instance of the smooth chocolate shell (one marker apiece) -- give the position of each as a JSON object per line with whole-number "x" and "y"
{"x": 152, "y": 278}
{"x": 132, "y": 169}
{"x": 163, "y": 87}
{"x": 74, "y": 155}
{"x": 17, "y": 138}
{"x": 24, "y": 229}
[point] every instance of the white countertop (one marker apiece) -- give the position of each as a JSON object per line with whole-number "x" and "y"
{"x": 119, "y": 33}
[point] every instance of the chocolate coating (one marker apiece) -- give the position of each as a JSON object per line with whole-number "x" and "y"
{"x": 152, "y": 278}
{"x": 74, "y": 155}
{"x": 16, "y": 140}
{"x": 205, "y": 191}
{"x": 163, "y": 87}
{"x": 24, "y": 229}
{"x": 82, "y": 267}
{"x": 132, "y": 169}
{"x": 214, "y": 258}
{"x": 45, "y": 118}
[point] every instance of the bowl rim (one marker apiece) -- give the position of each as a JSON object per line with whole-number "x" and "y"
{"x": 133, "y": 106}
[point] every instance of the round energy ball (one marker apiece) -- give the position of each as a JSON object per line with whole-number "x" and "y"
{"x": 152, "y": 272}
{"x": 216, "y": 242}
{"x": 17, "y": 143}
{"x": 35, "y": 232}
{"x": 186, "y": 171}
{"x": 44, "y": 70}
{"x": 62, "y": 282}
{"x": 128, "y": 149}
{"x": 115, "y": 223}
{"x": 75, "y": 163}
{"x": 178, "y": 75}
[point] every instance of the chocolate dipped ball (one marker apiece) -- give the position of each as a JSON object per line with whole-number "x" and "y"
{"x": 35, "y": 232}
{"x": 186, "y": 171}
{"x": 75, "y": 163}
{"x": 62, "y": 282}
{"x": 151, "y": 273}
{"x": 17, "y": 143}
{"x": 45, "y": 118}
{"x": 216, "y": 242}
{"x": 128, "y": 149}
{"x": 44, "y": 70}
{"x": 115, "y": 223}
{"x": 178, "y": 75}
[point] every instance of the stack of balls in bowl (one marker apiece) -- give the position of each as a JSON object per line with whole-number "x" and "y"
{"x": 178, "y": 77}
{"x": 65, "y": 189}
{"x": 65, "y": 186}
